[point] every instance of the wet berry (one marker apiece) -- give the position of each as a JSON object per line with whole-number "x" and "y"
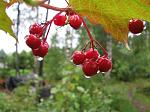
{"x": 36, "y": 29}
{"x": 104, "y": 64}
{"x": 60, "y": 20}
{"x": 136, "y": 26}
{"x": 42, "y": 50}
{"x": 78, "y": 57}
{"x": 92, "y": 54}
{"x": 90, "y": 67}
{"x": 75, "y": 21}
{"x": 32, "y": 41}
{"x": 35, "y": 52}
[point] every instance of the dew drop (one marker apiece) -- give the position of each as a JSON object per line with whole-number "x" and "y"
{"x": 78, "y": 65}
{"x": 144, "y": 27}
{"x": 71, "y": 60}
{"x": 98, "y": 71}
{"x": 130, "y": 20}
{"x": 138, "y": 34}
{"x": 40, "y": 58}
{"x": 103, "y": 72}
{"x": 88, "y": 77}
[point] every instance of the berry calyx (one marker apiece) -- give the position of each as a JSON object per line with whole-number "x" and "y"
{"x": 36, "y": 29}
{"x": 90, "y": 67}
{"x": 104, "y": 64}
{"x": 92, "y": 54}
{"x": 32, "y": 41}
{"x": 60, "y": 20}
{"x": 42, "y": 50}
{"x": 136, "y": 26}
{"x": 75, "y": 21}
{"x": 78, "y": 57}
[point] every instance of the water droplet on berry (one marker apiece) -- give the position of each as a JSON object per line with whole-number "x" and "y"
{"x": 144, "y": 27}
{"x": 103, "y": 72}
{"x": 98, "y": 71}
{"x": 71, "y": 60}
{"x": 138, "y": 34}
{"x": 78, "y": 65}
{"x": 88, "y": 77}
{"x": 75, "y": 21}
{"x": 40, "y": 58}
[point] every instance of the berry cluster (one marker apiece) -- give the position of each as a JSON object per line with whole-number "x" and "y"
{"x": 33, "y": 40}
{"x": 91, "y": 61}
{"x": 36, "y": 40}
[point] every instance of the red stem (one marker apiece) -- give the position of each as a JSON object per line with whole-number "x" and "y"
{"x": 47, "y": 6}
{"x": 49, "y": 23}
{"x": 104, "y": 50}
{"x": 47, "y": 33}
{"x": 89, "y": 33}
{"x": 92, "y": 39}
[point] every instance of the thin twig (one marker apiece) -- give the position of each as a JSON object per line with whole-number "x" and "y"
{"x": 104, "y": 50}
{"x": 67, "y": 2}
{"x": 47, "y": 6}
{"x": 85, "y": 45}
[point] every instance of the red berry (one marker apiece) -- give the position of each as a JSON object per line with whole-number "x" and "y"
{"x": 90, "y": 67}
{"x": 60, "y": 20}
{"x": 36, "y": 29}
{"x": 35, "y": 52}
{"x": 32, "y": 41}
{"x": 78, "y": 57}
{"x": 92, "y": 54}
{"x": 75, "y": 21}
{"x": 136, "y": 26}
{"x": 104, "y": 64}
{"x": 42, "y": 50}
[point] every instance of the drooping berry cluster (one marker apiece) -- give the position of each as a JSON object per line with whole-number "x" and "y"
{"x": 36, "y": 40}
{"x": 90, "y": 59}
{"x": 92, "y": 62}
{"x": 38, "y": 45}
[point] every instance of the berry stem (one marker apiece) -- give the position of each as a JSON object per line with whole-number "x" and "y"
{"x": 47, "y": 33}
{"x": 49, "y": 23}
{"x": 89, "y": 33}
{"x": 47, "y": 6}
{"x": 67, "y": 2}
{"x": 104, "y": 50}
{"x": 85, "y": 45}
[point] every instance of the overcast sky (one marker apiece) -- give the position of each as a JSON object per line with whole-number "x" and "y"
{"x": 7, "y": 43}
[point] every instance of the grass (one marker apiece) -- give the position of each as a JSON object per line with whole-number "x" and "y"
{"x": 118, "y": 90}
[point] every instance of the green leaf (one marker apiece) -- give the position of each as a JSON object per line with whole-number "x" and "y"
{"x": 113, "y": 15}
{"x": 5, "y": 21}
